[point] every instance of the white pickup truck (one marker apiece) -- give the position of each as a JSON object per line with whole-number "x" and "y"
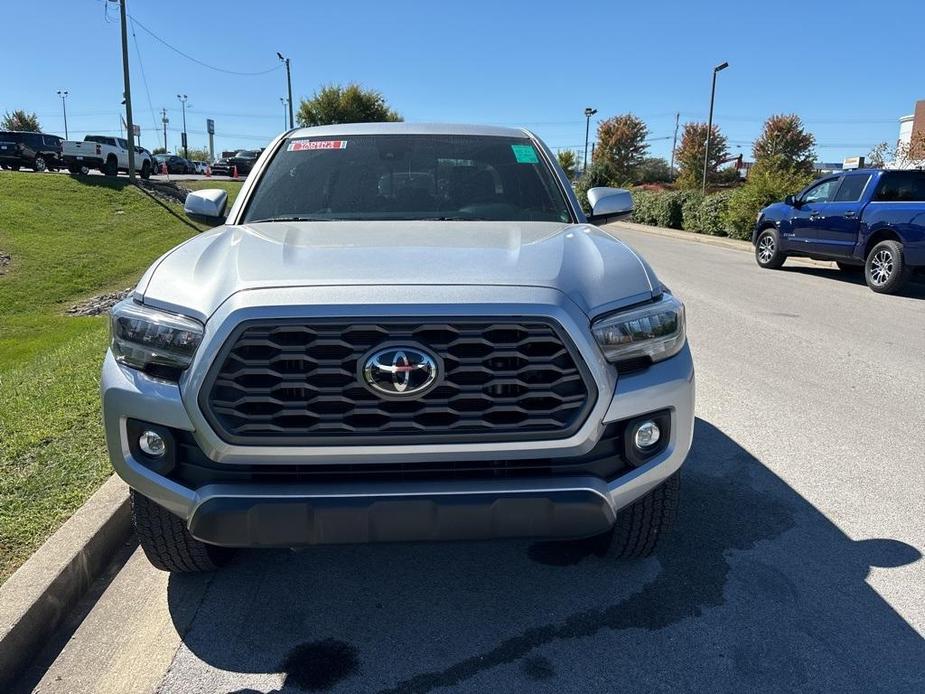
{"x": 108, "y": 154}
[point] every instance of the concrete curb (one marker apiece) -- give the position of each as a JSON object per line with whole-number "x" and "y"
{"x": 35, "y": 599}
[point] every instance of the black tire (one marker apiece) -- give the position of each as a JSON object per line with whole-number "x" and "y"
{"x": 639, "y": 527}
{"x": 74, "y": 169}
{"x": 885, "y": 270}
{"x": 767, "y": 250}
{"x": 15, "y": 167}
{"x": 848, "y": 267}
{"x": 39, "y": 164}
{"x": 167, "y": 543}
{"x": 111, "y": 167}
{"x": 146, "y": 169}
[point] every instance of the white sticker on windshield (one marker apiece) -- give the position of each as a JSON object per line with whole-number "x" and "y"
{"x": 301, "y": 145}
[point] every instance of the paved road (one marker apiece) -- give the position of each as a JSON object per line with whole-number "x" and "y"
{"x": 796, "y": 564}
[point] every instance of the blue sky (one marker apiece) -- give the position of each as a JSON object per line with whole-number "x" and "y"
{"x": 849, "y": 69}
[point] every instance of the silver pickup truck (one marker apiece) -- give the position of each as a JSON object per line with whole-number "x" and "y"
{"x": 107, "y": 154}
{"x": 399, "y": 332}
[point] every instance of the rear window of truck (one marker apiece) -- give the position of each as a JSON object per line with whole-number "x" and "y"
{"x": 901, "y": 186}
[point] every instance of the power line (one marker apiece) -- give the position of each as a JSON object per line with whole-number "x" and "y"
{"x": 144, "y": 79}
{"x": 196, "y": 60}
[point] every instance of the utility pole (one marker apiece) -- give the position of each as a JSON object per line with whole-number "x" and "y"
{"x": 165, "y": 120}
{"x": 706, "y": 152}
{"x": 183, "y": 98}
{"x": 130, "y": 128}
{"x": 289, "y": 83}
{"x": 588, "y": 113}
{"x": 63, "y": 96}
{"x": 674, "y": 144}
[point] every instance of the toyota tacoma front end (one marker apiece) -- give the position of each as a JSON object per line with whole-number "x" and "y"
{"x": 399, "y": 332}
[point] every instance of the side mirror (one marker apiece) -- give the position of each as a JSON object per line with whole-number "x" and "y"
{"x": 206, "y": 206}
{"x": 608, "y": 204}
{"x": 791, "y": 200}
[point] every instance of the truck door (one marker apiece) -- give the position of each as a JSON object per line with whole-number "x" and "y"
{"x": 808, "y": 218}
{"x": 838, "y": 233}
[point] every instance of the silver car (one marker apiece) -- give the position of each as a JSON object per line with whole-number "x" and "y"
{"x": 399, "y": 332}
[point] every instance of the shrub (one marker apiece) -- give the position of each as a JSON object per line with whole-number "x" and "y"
{"x": 644, "y": 206}
{"x": 690, "y": 211}
{"x": 710, "y": 215}
{"x": 764, "y": 186}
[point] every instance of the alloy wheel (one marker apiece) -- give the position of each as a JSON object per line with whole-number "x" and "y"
{"x": 766, "y": 249}
{"x": 881, "y": 267}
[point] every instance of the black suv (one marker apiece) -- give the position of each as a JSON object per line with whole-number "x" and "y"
{"x": 36, "y": 151}
{"x": 243, "y": 160}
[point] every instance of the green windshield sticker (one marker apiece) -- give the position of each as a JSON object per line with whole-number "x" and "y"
{"x": 525, "y": 154}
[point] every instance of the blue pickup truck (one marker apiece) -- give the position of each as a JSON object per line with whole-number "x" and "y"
{"x": 868, "y": 218}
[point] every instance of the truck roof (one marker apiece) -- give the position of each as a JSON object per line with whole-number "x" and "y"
{"x": 403, "y": 128}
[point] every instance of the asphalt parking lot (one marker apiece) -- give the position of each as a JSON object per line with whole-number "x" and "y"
{"x": 796, "y": 563}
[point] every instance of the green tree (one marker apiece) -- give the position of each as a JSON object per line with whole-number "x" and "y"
{"x": 784, "y": 144}
{"x": 652, "y": 170}
{"x": 568, "y": 160}
{"x": 691, "y": 150}
{"x": 199, "y": 154}
{"x": 21, "y": 121}
{"x": 334, "y": 104}
{"x": 621, "y": 143}
{"x": 764, "y": 186}
{"x": 159, "y": 150}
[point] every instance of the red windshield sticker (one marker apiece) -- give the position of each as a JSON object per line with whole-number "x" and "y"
{"x": 301, "y": 145}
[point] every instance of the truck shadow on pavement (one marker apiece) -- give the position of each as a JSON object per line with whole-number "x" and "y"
{"x": 754, "y": 590}
{"x": 915, "y": 289}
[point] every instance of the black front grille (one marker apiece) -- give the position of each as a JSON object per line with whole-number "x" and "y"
{"x": 297, "y": 382}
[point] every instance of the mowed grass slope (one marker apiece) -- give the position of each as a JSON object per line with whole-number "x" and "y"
{"x": 69, "y": 238}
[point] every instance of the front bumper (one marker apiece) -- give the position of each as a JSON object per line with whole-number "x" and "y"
{"x": 261, "y": 515}
{"x": 315, "y": 510}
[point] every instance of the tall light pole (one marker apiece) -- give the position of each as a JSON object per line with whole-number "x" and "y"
{"x": 289, "y": 84}
{"x": 165, "y": 120}
{"x": 706, "y": 152}
{"x": 63, "y": 95}
{"x": 183, "y": 98}
{"x": 129, "y": 125}
{"x": 284, "y": 101}
{"x": 588, "y": 113}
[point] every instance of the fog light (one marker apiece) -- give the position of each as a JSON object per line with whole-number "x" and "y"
{"x": 151, "y": 443}
{"x": 647, "y": 435}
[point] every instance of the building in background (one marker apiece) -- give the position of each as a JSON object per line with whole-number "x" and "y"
{"x": 909, "y": 154}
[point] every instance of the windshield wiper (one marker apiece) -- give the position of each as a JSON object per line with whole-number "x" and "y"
{"x": 291, "y": 218}
{"x": 459, "y": 218}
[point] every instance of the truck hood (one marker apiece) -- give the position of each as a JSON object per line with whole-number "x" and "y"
{"x": 594, "y": 269}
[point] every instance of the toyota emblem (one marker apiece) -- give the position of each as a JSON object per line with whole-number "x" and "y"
{"x": 400, "y": 371}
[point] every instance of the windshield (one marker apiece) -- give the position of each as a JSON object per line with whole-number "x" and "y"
{"x": 408, "y": 177}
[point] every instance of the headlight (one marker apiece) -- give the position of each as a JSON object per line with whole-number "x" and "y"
{"x": 143, "y": 337}
{"x": 655, "y": 330}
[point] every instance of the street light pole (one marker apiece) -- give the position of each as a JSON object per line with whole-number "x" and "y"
{"x": 129, "y": 126}
{"x": 588, "y": 113}
{"x": 183, "y": 98}
{"x": 63, "y": 96}
{"x": 284, "y": 102}
{"x": 165, "y": 120}
{"x": 289, "y": 84}
{"x": 706, "y": 153}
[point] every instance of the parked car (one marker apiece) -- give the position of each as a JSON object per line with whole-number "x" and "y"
{"x": 200, "y": 167}
{"x": 175, "y": 164}
{"x": 342, "y": 362}
{"x": 869, "y": 219}
{"x": 107, "y": 154}
{"x": 244, "y": 160}
{"x": 36, "y": 151}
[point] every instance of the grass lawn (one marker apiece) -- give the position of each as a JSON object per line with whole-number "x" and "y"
{"x": 69, "y": 239}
